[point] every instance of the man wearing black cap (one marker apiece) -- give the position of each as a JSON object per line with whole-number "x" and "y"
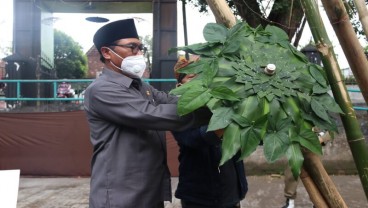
{"x": 127, "y": 120}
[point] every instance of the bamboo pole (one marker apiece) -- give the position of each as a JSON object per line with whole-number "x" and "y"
{"x": 352, "y": 127}
{"x": 349, "y": 42}
{"x": 357, "y": 60}
{"x": 322, "y": 180}
{"x": 363, "y": 15}
{"x": 313, "y": 192}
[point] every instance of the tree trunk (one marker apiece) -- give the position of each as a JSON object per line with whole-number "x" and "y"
{"x": 351, "y": 124}
{"x": 222, "y": 12}
{"x": 281, "y": 15}
{"x": 290, "y": 19}
{"x": 363, "y": 14}
{"x": 250, "y": 12}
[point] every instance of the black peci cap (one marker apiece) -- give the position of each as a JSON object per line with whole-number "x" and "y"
{"x": 114, "y": 31}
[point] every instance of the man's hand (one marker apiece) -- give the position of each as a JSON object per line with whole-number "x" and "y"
{"x": 219, "y": 132}
{"x": 324, "y": 137}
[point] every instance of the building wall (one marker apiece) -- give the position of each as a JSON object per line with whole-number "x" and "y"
{"x": 2, "y": 69}
{"x": 94, "y": 64}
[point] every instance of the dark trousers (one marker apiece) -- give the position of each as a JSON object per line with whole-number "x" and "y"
{"x": 186, "y": 204}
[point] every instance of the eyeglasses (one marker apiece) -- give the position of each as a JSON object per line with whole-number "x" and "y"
{"x": 135, "y": 47}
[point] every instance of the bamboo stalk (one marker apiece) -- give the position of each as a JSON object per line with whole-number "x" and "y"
{"x": 343, "y": 29}
{"x": 322, "y": 180}
{"x": 349, "y": 42}
{"x": 313, "y": 192}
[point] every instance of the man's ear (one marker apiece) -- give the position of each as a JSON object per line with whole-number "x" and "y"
{"x": 105, "y": 52}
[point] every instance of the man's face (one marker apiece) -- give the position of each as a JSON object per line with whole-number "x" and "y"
{"x": 124, "y": 48}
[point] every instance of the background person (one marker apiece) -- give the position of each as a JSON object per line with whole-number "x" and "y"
{"x": 202, "y": 183}
{"x": 127, "y": 120}
{"x": 291, "y": 184}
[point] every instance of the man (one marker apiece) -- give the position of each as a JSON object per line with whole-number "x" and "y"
{"x": 202, "y": 183}
{"x": 127, "y": 120}
{"x": 291, "y": 183}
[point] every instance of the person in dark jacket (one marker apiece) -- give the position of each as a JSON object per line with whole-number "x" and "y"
{"x": 128, "y": 119}
{"x": 202, "y": 183}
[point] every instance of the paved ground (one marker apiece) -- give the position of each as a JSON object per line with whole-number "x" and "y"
{"x": 264, "y": 192}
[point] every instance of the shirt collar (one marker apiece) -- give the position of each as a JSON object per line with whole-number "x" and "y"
{"x": 121, "y": 78}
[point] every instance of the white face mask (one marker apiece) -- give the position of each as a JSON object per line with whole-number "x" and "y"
{"x": 134, "y": 65}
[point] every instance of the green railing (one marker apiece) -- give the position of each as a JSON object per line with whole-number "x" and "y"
{"x": 56, "y": 82}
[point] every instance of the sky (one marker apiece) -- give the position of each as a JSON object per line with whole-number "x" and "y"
{"x": 71, "y": 24}
{"x": 144, "y": 24}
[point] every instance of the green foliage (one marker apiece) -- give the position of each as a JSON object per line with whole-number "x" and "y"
{"x": 251, "y": 105}
{"x": 70, "y": 61}
{"x": 354, "y": 17}
{"x": 5, "y": 51}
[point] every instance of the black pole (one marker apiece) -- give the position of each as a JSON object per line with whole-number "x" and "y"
{"x": 185, "y": 27}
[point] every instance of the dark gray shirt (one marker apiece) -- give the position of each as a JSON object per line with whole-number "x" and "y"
{"x": 127, "y": 125}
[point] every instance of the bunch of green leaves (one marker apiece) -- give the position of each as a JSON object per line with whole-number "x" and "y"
{"x": 253, "y": 107}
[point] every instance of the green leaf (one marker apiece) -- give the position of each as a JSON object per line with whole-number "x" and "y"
{"x": 298, "y": 54}
{"x": 275, "y": 145}
{"x": 193, "y": 99}
{"x": 220, "y": 119}
{"x": 213, "y": 32}
{"x": 276, "y": 112}
{"x": 252, "y": 108}
{"x": 213, "y": 103}
{"x": 210, "y": 71}
{"x": 224, "y": 93}
{"x": 310, "y": 140}
{"x": 250, "y": 140}
{"x": 317, "y": 75}
{"x": 295, "y": 158}
{"x": 237, "y": 28}
{"x": 226, "y": 68}
{"x": 318, "y": 89}
{"x": 195, "y": 67}
{"x": 241, "y": 121}
{"x": 231, "y": 47}
{"x": 277, "y": 32}
{"x": 322, "y": 124}
{"x": 185, "y": 87}
{"x": 202, "y": 49}
{"x": 319, "y": 110}
{"x": 191, "y": 49}
{"x": 329, "y": 103}
{"x": 230, "y": 142}
{"x": 291, "y": 108}
{"x": 275, "y": 124}
{"x": 270, "y": 97}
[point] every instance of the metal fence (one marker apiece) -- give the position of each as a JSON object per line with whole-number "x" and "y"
{"x": 55, "y": 83}
{"x": 85, "y": 82}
